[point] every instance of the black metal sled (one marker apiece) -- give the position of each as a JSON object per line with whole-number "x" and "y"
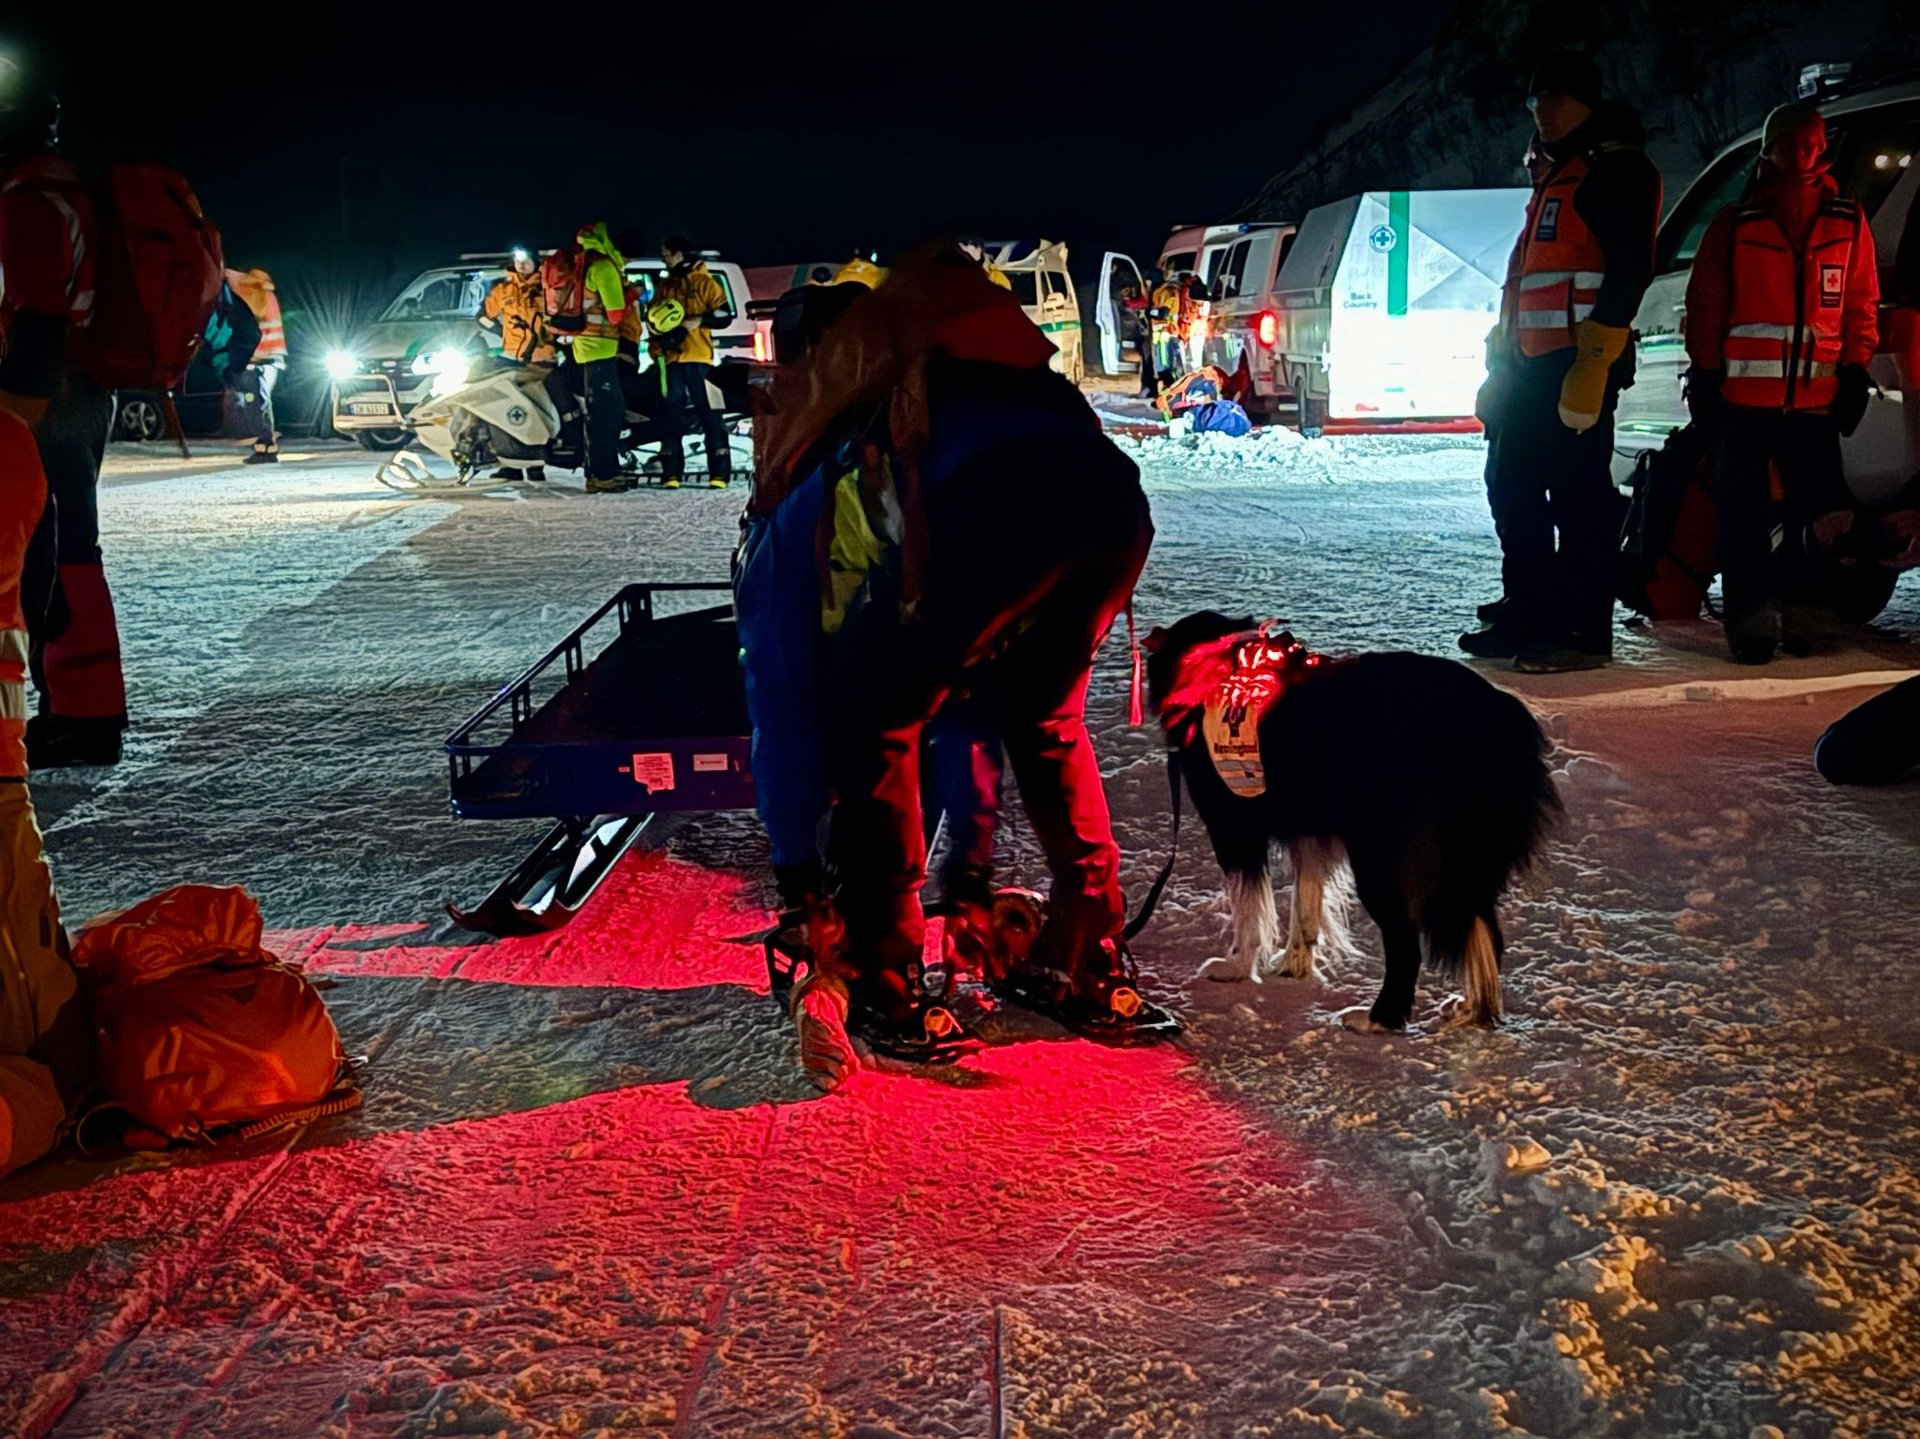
{"x": 654, "y": 721}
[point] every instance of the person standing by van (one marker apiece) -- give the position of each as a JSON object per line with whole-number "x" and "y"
{"x": 1574, "y": 283}
{"x": 1782, "y": 318}
{"x": 687, "y": 352}
{"x": 255, "y": 383}
{"x": 1167, "y": 307}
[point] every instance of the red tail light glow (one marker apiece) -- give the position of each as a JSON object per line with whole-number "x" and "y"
{"x": 1267, "y": 328}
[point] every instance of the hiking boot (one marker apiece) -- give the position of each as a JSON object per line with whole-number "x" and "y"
{"x": 1099, "y": 998}
{"x": 920, "y": 1032}
{"x": 1492, "y": 612}
{"x": 1558, "y": 659}
{"x": 60, "y": 741}
{"x": 718, "y": 482}
{"x": 1751, "y": 649}
{"x": 262, "y": 457}
{"x": 1494, "y": 643}
{"x": 607, "y": 485}
{"x": 670, "y": 482}
{"x": 537, "y": 475}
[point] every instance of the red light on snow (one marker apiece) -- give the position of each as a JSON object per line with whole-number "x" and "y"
{"x": 1267, "y": 328}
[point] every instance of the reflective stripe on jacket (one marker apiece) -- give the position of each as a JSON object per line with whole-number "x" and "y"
{"x": 1786, "y": 330}
{"x": 46, "y": 231}
{"x": 1557, "y": 268}
{"x": 255, "y": 287}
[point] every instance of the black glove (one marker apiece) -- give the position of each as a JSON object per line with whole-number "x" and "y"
{"x": 1849, "y": 406}
{"x": 1490, "y": 403}
{"x": 1705, "y": 402}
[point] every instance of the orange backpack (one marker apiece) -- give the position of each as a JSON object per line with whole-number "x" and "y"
{"x": 199, "y": 1028}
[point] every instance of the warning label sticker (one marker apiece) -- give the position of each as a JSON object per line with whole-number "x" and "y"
{"x": 709, "y": 764}
{"x": 655, "y": 771}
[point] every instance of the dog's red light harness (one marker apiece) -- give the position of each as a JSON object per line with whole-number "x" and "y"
{"x": 1230, "y": 719}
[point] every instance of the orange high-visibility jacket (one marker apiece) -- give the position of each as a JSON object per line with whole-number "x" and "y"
{"x": 23, "y": 499}
{"x": 1557, "y": 268}
{"x": 255, "y": 287}
{"x": 1779, "y": 320}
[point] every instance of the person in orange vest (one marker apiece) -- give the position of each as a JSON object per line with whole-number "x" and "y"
{"x": 45, "y": 1038}
{"x": 1558, "y": 358}
{"x": 256, "y": 382}
{"x": 1782, "y": 317}
{"x": 46, "y": 301}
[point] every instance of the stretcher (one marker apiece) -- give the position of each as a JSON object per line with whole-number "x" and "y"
{"x": 632, "y": 715}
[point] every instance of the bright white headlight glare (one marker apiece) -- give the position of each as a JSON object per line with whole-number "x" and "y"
{"x": 341, "y": 365}
{"x": 449, "y": 370}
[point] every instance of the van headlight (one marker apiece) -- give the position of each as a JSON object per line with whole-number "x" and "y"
{"x": 342, "y": 364}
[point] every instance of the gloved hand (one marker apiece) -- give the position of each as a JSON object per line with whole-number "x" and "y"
{"x": 1706, "y": 401}
{"x": 1584, "y": 391}
{"x": 1849, "y": 406}
{"x": 1490, "y": 402}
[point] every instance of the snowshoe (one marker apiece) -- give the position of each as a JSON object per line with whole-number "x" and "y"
{"x": 1106, "y": 1006}
{"x": 987, "y": 942}
{"x": 920, "y": 1034}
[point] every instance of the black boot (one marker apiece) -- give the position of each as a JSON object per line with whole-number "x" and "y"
{"x": 60, "y": 741}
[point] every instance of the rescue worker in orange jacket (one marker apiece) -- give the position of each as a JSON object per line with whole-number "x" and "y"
{"x": 687, "y": 352}
{"x": 1782, "y": 318}
{"x": 515, "y": 309}
{"x": 45, "y": 1039}
{"x": 46, "y": 301}
{"x": 257, "y": 380}
{"x": 1557, "y": 361}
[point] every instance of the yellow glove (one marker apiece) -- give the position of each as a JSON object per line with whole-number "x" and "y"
{"x": 1584, "y": 391}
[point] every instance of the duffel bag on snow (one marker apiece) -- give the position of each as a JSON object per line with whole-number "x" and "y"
{"x": 199, "y": 1029}
{"x": 157, "y": 273}
{"x": 1220, "y": 417}
{"x": 1670, "y": 541}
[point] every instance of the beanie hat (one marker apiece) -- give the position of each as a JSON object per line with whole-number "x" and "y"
{"x": 1786, "y": 121}
{"x": 1569, "y": 73}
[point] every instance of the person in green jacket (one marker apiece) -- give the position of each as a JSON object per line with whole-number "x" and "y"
{"x": 596, "y": 349}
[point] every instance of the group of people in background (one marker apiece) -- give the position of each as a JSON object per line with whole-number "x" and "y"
{"x": 1781, "y": 320}
{"x": 580, "y": 308}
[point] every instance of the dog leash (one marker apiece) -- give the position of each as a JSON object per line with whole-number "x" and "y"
{"x": 1159, "y": 886}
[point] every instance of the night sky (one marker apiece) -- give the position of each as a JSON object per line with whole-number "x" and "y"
{"x": 385, "y": 135}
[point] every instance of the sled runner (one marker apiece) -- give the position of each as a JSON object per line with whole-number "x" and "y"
{"x": 633, "y": 714}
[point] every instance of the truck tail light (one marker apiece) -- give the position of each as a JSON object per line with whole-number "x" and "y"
{"x": 1266, "y": 328}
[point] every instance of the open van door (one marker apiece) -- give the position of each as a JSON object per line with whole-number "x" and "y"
{"x": 1119, "y": 352}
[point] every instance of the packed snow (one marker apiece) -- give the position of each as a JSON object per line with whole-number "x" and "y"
{"x": 588, "y": 1194}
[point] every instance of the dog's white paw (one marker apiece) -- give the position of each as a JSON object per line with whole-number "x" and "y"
{"x": 1458, "y": 1012}
{"x": 1228, "y": 970}
{"x": 1295, "y": 963}
{"x": 1360, "y": 1021}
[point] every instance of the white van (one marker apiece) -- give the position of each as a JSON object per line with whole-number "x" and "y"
{"x": 1373, "y": 310}
{"x": 1875, "y": 137}
{"x": 1187, "y": 251}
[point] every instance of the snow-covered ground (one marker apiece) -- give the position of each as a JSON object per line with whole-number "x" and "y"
{"x": 1675, "y": 1195}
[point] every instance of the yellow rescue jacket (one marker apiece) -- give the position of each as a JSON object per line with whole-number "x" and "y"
{"x": 699, "y": 295}
{"x": 516, "y": 306}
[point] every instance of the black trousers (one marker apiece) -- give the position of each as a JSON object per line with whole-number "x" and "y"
{"x": 1555, "y": 509}
{"x": 1763, "y": 542}
{"x": 73, "y": 444}
{"x": 1033, "y": 549}
{"x": 688, "y": 405}
{"x": 606, "y": 416}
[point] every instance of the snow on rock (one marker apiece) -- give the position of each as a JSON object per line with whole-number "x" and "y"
{"x": 587, "y": 1194}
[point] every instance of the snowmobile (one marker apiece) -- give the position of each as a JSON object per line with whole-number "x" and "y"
{"x": 497, "y": 419}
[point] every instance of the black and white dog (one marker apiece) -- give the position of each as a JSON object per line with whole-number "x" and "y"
{"x": 1415, "y": 773}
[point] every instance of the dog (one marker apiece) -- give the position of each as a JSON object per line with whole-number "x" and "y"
{"x": 1412, "y": 776}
